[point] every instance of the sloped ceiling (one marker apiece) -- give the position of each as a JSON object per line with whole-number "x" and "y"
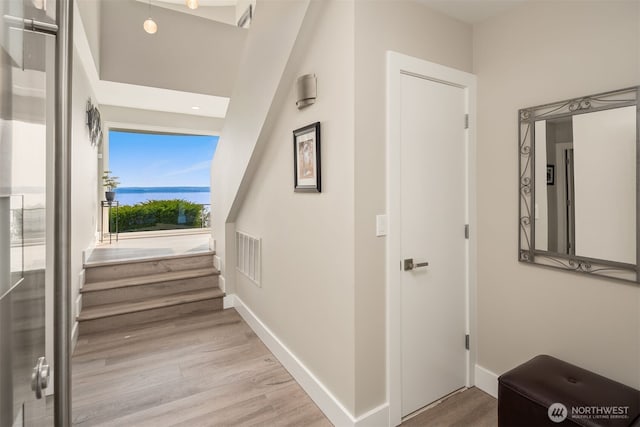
{"x": 188, "y": 53}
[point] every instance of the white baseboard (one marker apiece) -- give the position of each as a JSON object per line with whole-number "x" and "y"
{"x": 221, "y": 283}
{"x": 81, "y": 278}
{"x": 86, "y": 254}
{"x": 216, "y": 262}
{"x": 78, "y": 306}
{"x": 376, "y": 417}
{"x": 74, "y": 336}
{"x": 326, "y": 401}
{"x": 487, "y": 381}
{"x": 228, "y": 302}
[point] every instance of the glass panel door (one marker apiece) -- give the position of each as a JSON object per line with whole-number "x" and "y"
{"x": 26, "y": 131}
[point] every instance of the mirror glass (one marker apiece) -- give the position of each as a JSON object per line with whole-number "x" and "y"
{"x": 579, "y": 184}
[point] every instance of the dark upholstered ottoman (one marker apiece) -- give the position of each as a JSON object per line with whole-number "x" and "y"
{"x": 545, "y": 390}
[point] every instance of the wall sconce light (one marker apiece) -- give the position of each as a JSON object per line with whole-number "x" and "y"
{"x": 306, "y": 90}
{"x": 245, "y": 19}
{"x": 192, "y": 4}
{"x": 94, "y": 123}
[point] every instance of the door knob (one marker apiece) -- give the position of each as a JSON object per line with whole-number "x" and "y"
{"x": 40, "y": 377}
{"x": 410, "y": 265}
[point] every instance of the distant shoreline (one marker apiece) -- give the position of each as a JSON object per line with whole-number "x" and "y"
{"x": 135, "y": 195}
{"x": 134, "y": 190}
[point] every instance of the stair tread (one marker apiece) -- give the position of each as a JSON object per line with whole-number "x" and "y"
{"x": 147, "y": 279}
{"x": 115, "y": 309}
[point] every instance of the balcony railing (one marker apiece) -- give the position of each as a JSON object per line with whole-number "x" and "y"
{"x": 156, "y": 215}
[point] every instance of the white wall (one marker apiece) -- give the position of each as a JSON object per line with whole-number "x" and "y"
{"x": 525, "y": 310}
{"x": 257, "y": 92}
{"x": 90, "y": 14}
{"x": 84, "y": 179}
{"x": 306, "y": 297}
{"x": 413, "y": 29}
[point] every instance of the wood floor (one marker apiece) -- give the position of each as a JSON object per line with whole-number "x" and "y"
{"x": 200, "y": 370}
{"x": 211, "y": 370}
{"x": 150, "y": 244}
{"x": 472, "y": 407}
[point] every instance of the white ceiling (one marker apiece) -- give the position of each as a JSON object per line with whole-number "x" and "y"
{"x": 472, "y": 11}
{"x": 156, "y": 99}
{"x": 143, "y": 97}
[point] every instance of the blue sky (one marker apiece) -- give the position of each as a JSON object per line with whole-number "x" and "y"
{"x": 152, "y": 160}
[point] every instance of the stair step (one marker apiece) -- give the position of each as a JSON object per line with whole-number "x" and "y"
{"x": 108, "y": 310}
{"x": 109, "y": 316}
{"x": 148, "y": 279}
{"x": 112, "y": 270}
{"x": 147, "y": 290}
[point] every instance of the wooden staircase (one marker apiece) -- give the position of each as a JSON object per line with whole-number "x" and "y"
{"x": 124, "y": 293}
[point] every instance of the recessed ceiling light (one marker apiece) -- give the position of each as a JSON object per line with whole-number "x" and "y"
{"x": 195, "y": 107}
{"x": 192, "y": 4}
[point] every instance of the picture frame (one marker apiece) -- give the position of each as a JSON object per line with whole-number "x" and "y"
{"x": 306, "y": 159}
{"x": 551, "y": 174}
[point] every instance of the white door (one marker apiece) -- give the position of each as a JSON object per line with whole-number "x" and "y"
{"x": 434, "y": 212}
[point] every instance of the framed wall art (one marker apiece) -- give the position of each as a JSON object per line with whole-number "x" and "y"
{"x": 306, "y": 159}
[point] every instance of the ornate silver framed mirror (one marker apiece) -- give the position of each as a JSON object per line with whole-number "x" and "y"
{"x": 578, "y": 184}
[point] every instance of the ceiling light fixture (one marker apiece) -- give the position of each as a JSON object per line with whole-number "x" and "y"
{"x": 192, "y": 4}
{"x": 150, "y": 25}
{"x": 195, "y": 107}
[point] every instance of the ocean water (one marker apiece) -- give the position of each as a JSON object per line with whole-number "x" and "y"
{"x": 133, "y": 195}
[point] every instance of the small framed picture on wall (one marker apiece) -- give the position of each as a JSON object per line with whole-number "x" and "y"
{"x": 551, "y": 174}
{"x": 306, "y": 159}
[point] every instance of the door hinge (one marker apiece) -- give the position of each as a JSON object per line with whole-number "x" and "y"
{"x": 466, "y": 231}
{"x": 466, "y": 121}
{"x": 466, "y": 342}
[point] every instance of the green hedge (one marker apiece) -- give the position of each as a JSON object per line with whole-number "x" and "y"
{"x": 158, "y": 215}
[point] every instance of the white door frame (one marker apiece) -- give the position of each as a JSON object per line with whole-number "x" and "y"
{"x": 397, "y": 65}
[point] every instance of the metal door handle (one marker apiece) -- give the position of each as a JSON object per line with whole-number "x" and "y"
{"x": 40, "y": 377}
{"x": 410, "y": 265}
